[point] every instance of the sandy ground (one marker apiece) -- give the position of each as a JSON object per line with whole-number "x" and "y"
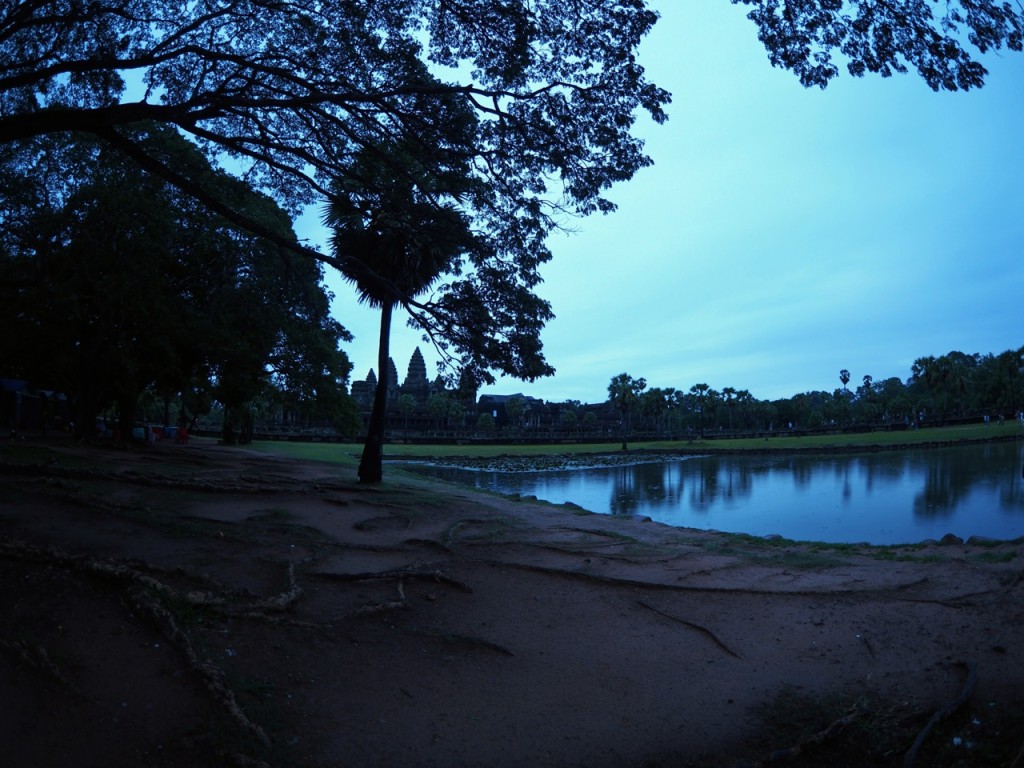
{"x": 208, "y": 606}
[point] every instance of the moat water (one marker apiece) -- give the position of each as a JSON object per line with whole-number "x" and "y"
{"x": 888, "y": 497}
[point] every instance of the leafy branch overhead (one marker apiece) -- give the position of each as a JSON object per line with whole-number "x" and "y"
{"x": 546, "y": 94}
{"x": 889, "y": 37}
{"x": 285, "y": 94}
{"x": 291, "y": 89}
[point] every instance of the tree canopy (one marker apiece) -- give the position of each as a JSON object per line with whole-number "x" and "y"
{"x": 284, "y": 93}
{"x": 949, "y": 388}
{"x": 117, "y": 283}
{"x": 396, "y": 230}
{"x": 888, "y": 37}
{"x": 624, "y": 393}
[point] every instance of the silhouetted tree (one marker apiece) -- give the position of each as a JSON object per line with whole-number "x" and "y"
{"x": 700, "y": 391}
{"x": 624, "y": 394}
{"x": 515, "y": 410}
{"x": 396, "y": 230}
{"x": 285, "y": 93}
{"x": 886, "y": 37}
{"x": 126, "y": 285}
{"x": 730, "y": 395}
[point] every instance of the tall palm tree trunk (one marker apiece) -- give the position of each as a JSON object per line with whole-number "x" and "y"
{"x": 371, "y": 465}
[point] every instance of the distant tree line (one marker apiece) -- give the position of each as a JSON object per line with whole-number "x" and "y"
{"x": 954, "y": 386}
{"x": 940, "y": 390}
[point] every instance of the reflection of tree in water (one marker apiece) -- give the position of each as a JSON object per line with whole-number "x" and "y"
{"x": 802, "y": 468}
{"x": 1011, "y": 492}
{"x": 840, "y": 466}
{"x": 949, "y": 476}
{"x": 941, "y": 493}
{"x": 946, "y": 483}
{"x": 704, "y": 483}
{"x": 635, "y": 484}
{"x": 661, "y": 485}
{"x": 1011, "y": 479}
{"x": 883, "y": 467}
{"x": 713, "y": 479}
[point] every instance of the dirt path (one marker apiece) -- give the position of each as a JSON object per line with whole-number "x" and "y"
{"x": 202, "y": 606}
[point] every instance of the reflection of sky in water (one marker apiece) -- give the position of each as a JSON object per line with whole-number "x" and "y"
{"x": 884, "y": 498}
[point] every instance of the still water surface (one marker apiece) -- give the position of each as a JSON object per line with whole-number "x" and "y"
{"x": 890, "y": 497}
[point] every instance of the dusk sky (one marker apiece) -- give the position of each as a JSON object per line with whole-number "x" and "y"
{"x": 783, "y": 233}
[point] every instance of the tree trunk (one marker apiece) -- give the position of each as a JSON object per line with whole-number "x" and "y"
{"x": 167, "y": 410}
{"x": 86, "y": 409}
{"x": 246, "y": 429}
{"x": 228, "y": 430}
{"x": 126, "y": 414}
{"x": 91, "y": 395}
{"x": 371, "y": 465}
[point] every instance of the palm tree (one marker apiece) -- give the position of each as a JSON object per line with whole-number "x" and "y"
{"x": 396, "y": 230}
{"x": 701, "y": 391}
{"x": 730, "y": 394}
{"x": 624, "y": 393}
{"x": 744, "y": 399}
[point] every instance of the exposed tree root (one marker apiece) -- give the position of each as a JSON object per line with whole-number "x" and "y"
{"x": 36, "y": 657}
{"x": 145, "y": 595}
{"x": 465, "y": 640}
{"x": 211, "y": 675}
{"x": 429, "y": 544}
{"x": 280, "y": 621}
{"x": 243, "y": 484}
{"x": 966, "y": 601}
{"x": 867, "y": 643}
{"x": 453, "y": 529}
{"x": 282, "y": 601}
{"x": 598, "y": 532}
{"x": 789, "y": 753}
{"x": 435, "y": 576}
{"x": 239, "y": 760}
{"x": 583, "y": 548}
{"x": 1018, "y": 761}
{"x": 692, "y": 625}
{"x": 125, "y": 573}
{"x": 942, "y": 714}
{"x": 390, "y": 522}
{"x": 617, "y": 581}
{"x": 372, "y": 609}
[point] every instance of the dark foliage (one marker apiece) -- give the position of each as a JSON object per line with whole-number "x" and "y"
{"x": 118, "y": 283}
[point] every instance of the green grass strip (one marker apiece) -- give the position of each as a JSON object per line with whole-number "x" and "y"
{"x": 348, "y": 453}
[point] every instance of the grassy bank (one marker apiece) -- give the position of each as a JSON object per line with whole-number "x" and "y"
{"x": 348, "y": 453}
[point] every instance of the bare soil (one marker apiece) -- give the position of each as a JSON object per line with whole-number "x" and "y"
{"x": 206, "y": 606}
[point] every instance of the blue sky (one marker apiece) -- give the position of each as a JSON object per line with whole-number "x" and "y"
{"x": 783, "y": 233}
